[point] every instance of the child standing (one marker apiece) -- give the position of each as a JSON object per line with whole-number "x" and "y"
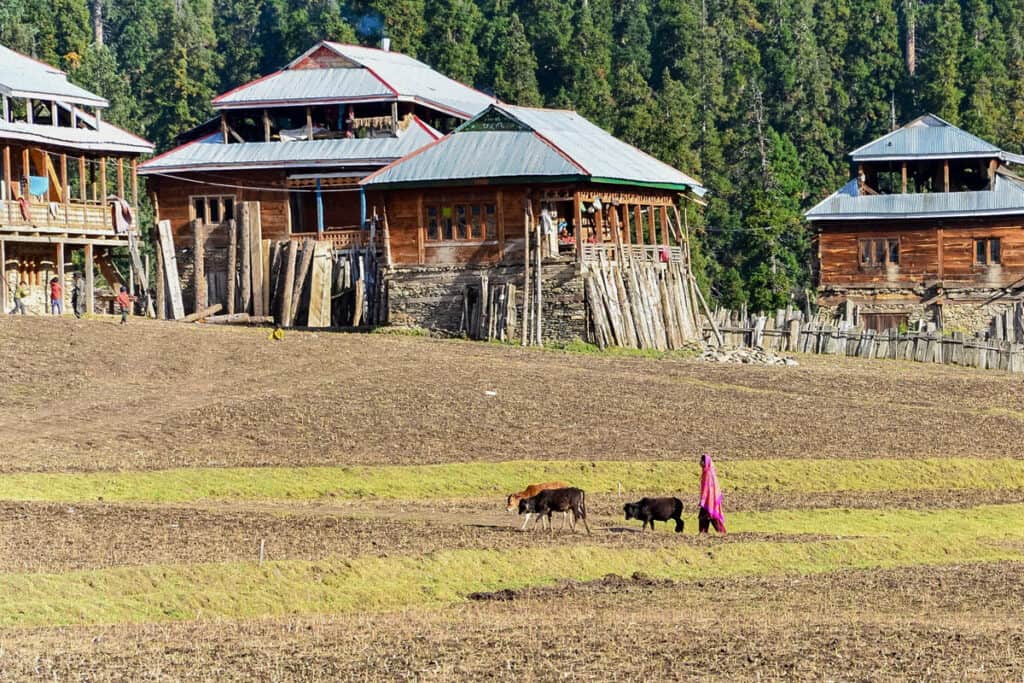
{"x": 20, "y": 294}
{"x": 56, "y": 297}
{"x": 76, "y": 296}
{"x": 124, "y": 302}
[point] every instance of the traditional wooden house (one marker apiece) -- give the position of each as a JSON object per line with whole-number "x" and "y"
{"x": 460, "y": 212}
{"x": 930, "y": 227}
{"x": 298, "y": 141}
{"x": 68, "y": 181}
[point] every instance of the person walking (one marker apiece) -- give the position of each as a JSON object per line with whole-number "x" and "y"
{"x": 20, "y": 294}
{"x": 76, "y": 295}
{"x": 56, "y": 297}
{"x": 124, "y": 302}
{"x": 710, "y": 498}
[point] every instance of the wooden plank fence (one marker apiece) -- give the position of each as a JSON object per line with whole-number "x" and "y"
{"x": 789, "y": 331}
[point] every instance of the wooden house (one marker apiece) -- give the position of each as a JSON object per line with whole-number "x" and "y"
{"x": 299, "y": 140}
{"x": 929, "y": 228}
{"x": 466, "y": 208}
{"x": 68, "y": 181}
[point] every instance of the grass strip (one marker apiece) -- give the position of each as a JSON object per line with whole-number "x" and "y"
{"x": 239, "y": 590}
{"x": 485, "y": 479}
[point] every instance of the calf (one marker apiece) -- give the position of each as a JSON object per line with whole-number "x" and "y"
{"x": 651, "y": 510}
{"x": 571, "y": 500}
{"x": 529, "y": 492}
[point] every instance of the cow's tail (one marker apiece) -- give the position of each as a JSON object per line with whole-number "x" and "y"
{"x": 583, "y": 510}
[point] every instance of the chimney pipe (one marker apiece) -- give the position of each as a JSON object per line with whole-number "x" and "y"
{"x": 385, "y": 44}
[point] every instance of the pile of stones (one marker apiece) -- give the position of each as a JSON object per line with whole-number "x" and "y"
{"x": 746, "y": 356}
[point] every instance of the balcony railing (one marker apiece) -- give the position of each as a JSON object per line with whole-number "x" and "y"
{"x": 57, "y": 217}
{"x": 345, "y": 238}
{"x": 636, "y": 252}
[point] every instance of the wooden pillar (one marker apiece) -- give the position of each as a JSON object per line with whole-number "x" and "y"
{"x": 29, "y": 114}
{"x": 83, "y": 189}
{"x": 599, "y": 225}
{"x": 65, "y": 191}
{"x": 309, "y": 123}
{"x": 664, "y": 225}
{"x": 161, "y": 284}
{"x": 945, "y": 175}
{"x": 53, "y": 114}
{"x": 60, "y": 264}
{"x": 9, "y": 190}
{"x": 103, "y": 180}
{"x": 903, "y": 177}
{"x": 3, "y": 277}
{"x": 638, "y": 220}
{"x": 224, "y": 127}
{"x": 90, "y": 280}
{"x": 135, "y": 185}
{"x": 266, "y": 126}
{"x": 120, "y": 177}
{"x": 625, "y": 224}
{"x": 26, "y": 167}
{"x": 199, "y": 264}
{"x": 653, "y": 234}
{"x": 394, "y": 118}
{"x": 232, "y": 264}
{"x": 993, "y": 164}
{"x": 577, "y": 208}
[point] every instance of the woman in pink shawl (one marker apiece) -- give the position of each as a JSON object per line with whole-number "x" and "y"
{"x": 710, "y": 498}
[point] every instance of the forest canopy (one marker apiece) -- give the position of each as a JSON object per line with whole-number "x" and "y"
{"x": 761, "y": 100}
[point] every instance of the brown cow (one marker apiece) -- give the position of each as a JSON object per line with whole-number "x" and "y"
{"x": 529, "y": 492}
{"x": 569, "y": 500}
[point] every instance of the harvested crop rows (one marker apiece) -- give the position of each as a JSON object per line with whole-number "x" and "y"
{"x": 198, "y": 503}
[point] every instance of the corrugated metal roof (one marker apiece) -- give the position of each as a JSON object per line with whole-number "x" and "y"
{"x": 534, "y": 143}
{"x": 308, "y": 85}
{"x": 107, "y": 139}
{"x": 925, "y": 137}
{"x": 1006, "y": 198}
{"x": 377, "y": 75}
{"x": 22, "y": 76}
{"x": 210, "y": 153}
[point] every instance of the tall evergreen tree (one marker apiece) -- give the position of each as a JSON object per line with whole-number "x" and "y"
{"x": 453, "y": 29}
{"x": 511, "y": 73}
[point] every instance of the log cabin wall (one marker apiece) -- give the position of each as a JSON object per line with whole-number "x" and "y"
{"x": 929, "y": 251}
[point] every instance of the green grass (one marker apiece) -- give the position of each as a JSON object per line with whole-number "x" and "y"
{"x": 486, "y": 479}
{"x": 246, "y": 590}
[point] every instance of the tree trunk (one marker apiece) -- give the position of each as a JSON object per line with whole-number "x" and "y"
{"x": 97, "y": 22}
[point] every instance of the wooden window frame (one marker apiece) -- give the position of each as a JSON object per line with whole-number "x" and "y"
{"x": 218, "y": 199}
{"x": 987, "y": 260}
{"x": 469, "y": 223}
{"x": 873, "y": 262}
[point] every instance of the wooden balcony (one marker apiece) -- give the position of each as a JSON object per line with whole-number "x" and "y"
{"x": 595, "y": 253}
{"x": 51, "y": 223}
{"x": 340, "y": 238}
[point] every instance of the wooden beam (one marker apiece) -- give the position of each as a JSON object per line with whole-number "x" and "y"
{"x": 26, "y": 168}
{"x": 135, "y": 185}
{"x": 577, "y": 211}
{"x": 653, "y": 233}
{"x": 199, "y": 264}
{"x": 638, "y": 217}
{"x": 945, "y": 175}
{"x": 103, "y": 180}
{"x": 266, "y": 126}
{"x": 120, "y": 177}
{"x": 29, "y": 114}
{"x": 83, "y": 184}
{"x": 245, "y": 263}
{"x": 664, "y": 225}
{"x": 232, "y": 264}
{"x": 625, "y": 224}
{"x": 60, "y": 266}
{"x": 8, "y": 188}
{"x": 394, "y": 118}
{"x": 256, "y": 258}
{"x": 65, "y": 191}
{"x": 309, "y": 123}
{"x": 903, "y": 177}
{"x": 53, "y": 113}
{"x": 993, "y": 164}
{"x": 224, "y": 127}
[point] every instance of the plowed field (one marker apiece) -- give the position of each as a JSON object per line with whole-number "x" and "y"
{"x": 201, "y": 503}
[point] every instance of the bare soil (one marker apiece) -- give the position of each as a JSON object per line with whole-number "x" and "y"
{"x": 91, "y": 395}
{"x": 882, "y": 625}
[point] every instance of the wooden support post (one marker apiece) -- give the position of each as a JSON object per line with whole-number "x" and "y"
{"x": 394, "y": 118}
{"x": 199, "y": 264}
{"x": 266, "y": 126}
{"x": 577, "y": 208}
{"x": 993, "y": 164}
{"x": 103, "y": 181}
{"x": 652, "y": 222}
{"x": 625, "y": 224}
{"x": 3, "y": 277}
{"x": 30, "y": 114}
{"x": 245, "y": 226}
{"x": 90, "y": 280}
{"x": 309, "y": 123}
{"x": 903, "y": 177}
{"x": 26, "y": 168}
{"x": 288, "y": 284}
{"x": 135, "y": 185}
{"x": 53, "y": 114}
{"x": 159, "y": 281}
{"x": 60, "y": 262}
{"x": 638, "y": 225}
{"x": 945, "y": 175}
{"x": 663, "y": 212}
{"x": 537, "y": 276}
{"x": 83, "y": 184}
{"x": 301, "y": 273}
{"x": 526, "y": 272}
{"x": 8, "y": 188}
{"x": 232, "y": 264}
{"x": 120, "y": 177}
{"x": 265, "y": 287}
{"x": 256, "y": 258}
{"x": 65, "y": 191}
{"x": 224, "y": 127}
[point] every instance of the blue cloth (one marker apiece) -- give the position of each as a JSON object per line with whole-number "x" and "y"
{"x": 38, "y": 185}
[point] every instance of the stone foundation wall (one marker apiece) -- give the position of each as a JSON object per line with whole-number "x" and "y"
{"x": 964, "y": 315}
{"x": 432, "y": 297}
{"x": 970, "y": 318}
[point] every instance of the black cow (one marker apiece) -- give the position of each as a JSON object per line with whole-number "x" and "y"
{"x": 652, "y": 510}
{"x": 558, "y": 500}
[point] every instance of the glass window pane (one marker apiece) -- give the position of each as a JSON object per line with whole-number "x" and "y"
{"x": 199, "y": 207}
{"x": 994, "y": 250}
{"x": 894, "y": 252}
{"x": 979, "y": 252}
{"x": 229, "y": 208}
{"x": 879, "y": 252}
{"x": 492, "y": 222}
{"x": 432, "y": 224}
{"x": 215, "y": 210}
{"x": 477, "y": 222}
{"x": 865, "y": 252}
{"x": 447, "y": 228}
{"x": 462, "y": 231}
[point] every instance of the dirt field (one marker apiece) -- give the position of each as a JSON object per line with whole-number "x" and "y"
{"x": 811, "y": 585}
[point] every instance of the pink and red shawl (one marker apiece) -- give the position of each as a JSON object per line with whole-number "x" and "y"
{"x": 710, "y": 493}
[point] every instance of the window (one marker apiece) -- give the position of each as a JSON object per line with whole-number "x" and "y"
{"x": 213, "y": 209}
{"x": 461, "y": 222}
{"x": 883, "y": 251}
{"x": 987, "y": 251}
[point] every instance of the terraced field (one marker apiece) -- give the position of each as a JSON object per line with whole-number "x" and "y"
{"x": 199, "y": 503}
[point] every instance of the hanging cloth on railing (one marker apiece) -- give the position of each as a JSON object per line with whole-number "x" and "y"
{"x": 38, "y": 185}
{"x": 122, "y": 214}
